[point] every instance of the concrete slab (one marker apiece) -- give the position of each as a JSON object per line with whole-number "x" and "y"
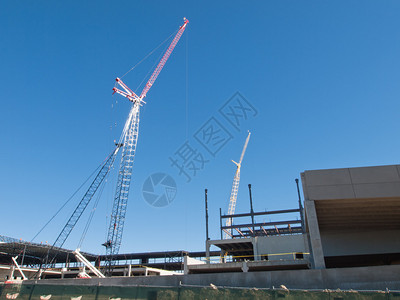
{"x": 374, "y": 174}
{"x": 328, "y": 177}
{"x": 281, "y": 247}
{"x": 377, "y": 190}
{"x": 242, "y": 266}
{"x": 327, "y": 192}
{"x": 359, "y": 243}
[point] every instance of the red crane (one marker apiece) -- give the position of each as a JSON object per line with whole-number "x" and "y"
{"x": 128, "y": 93}
{"x": 129, "y": 139}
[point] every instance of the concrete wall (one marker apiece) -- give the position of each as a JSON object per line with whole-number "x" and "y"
{"x": 366, "y": 278}
{"x": 359, "y": 243}
{"x": 352, "y": 211}
{"x": 352, "y": 183}
{"x": 188, "y": 261}
{"x": 278, "y": 247}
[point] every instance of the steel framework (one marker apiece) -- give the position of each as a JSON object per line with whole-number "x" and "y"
{"x": 244, "y": 229}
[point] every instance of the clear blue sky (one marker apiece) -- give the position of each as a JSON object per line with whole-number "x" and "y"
{"x": 323, "y": 76}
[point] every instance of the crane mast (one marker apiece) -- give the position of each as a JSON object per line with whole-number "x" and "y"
{"x": 129, "y": 139}
{"x": 235, "y": 187}
{"x": 115, "y": 229}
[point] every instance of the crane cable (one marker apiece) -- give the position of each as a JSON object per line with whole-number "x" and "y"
{"x": 115, "y": 85}
{"x": 153, "y": 67}
{"x": 99, "y": 194}
{"x": 150, "y": 53}
{"x": 143, "y": 59}
{"x": 69, "y": 199}
{"x": 137, "y": 64}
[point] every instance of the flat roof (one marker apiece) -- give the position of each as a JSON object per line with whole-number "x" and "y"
{"x": 34, "y": 253}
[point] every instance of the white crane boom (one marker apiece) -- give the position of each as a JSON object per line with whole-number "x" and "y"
{"x": 129, "y": 139}
{"x": 235, "y": 187}
{"x": 87, "y": 263}
{"x": 244, "y": 148}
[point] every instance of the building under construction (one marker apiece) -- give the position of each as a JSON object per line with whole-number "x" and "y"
{"x": 346, "y": 236}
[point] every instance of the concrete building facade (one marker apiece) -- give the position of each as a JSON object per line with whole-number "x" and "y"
{"x": 353, "y": 216}
{"x": 352, "y": 219}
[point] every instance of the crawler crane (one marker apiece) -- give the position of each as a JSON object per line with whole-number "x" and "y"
{"x": 235, "y": 189}
{"x": 129, "y": 139}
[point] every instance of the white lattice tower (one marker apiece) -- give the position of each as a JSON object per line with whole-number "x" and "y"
{"x": 235, "y": 189}
{"x": 129, "y": 139}
{"x": 123, "y": 183}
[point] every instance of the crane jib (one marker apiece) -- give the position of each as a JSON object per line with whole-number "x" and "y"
{"x": 163, "y": 60}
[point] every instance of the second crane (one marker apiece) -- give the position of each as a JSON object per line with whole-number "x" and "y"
{"x": 235, "y": 188}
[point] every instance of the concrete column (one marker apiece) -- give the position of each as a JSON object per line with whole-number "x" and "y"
{"x": 245, "y": 267}
{"x": 207, "y": 252}
{"x": 255, "y": 249}
{"x": 12, "y": 269}
{"x": 315, "y": 237}
{"x": 222, "y": 258}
